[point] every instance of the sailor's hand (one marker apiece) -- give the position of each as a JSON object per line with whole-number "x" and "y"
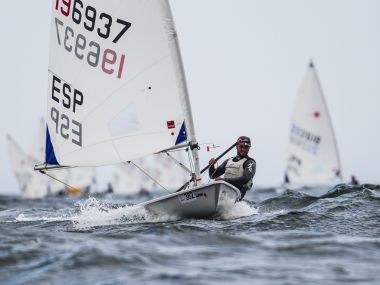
{"x": 219, "y": 178}
{"x": 212, "y": 161}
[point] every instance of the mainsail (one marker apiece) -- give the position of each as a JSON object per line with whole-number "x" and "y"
{"x": 116, "y": 90}
{"x": 312, "y": 151}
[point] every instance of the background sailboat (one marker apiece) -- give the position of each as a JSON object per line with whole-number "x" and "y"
{"x": 32, "y": 184}
{"x": 313, "y": 156}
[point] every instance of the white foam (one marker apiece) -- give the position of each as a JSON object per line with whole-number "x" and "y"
{"x": 94, "y": 213}
{"x": 23, "y": 218}
{"x": 238, "y": 210}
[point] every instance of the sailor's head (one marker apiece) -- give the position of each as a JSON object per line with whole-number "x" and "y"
{"x": 243, "y": 145}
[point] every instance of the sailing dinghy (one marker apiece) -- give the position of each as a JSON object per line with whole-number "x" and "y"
{"x": 117, "y": 92}
{"x": 313, "y": 157}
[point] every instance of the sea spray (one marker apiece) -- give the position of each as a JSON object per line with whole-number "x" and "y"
{"x": 95, "y": 213}
{"x": 238, "y": 210}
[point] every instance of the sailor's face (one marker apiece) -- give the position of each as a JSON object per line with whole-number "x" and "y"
{"x": 243, "y": 149}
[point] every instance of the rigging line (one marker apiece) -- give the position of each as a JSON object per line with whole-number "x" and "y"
{"x": 177, "y": 162}
{"x": 138, "y": 167}
{"x": 147, "y": 174}
{"x": 191, "y": 162}
{"x": 67, "y": 185}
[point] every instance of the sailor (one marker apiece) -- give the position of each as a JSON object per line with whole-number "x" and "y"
{"x": 238, "y": 170}
{"x": 354, "y": 181}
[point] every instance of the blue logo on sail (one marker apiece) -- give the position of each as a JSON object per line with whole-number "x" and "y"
{"x": 49, "y": 150}
{"x": 182, "y": 136}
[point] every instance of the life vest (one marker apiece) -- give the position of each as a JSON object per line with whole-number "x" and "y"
{"x": 235, "y": 169}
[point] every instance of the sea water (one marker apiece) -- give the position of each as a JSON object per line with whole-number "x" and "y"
{"x": 269, "y": 238}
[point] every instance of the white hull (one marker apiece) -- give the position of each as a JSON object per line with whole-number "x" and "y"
{"x": 198, "y": 202}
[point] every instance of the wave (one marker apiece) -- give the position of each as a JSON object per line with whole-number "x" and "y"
{"x": 293, "y": 209}
{"x": 94, "y": 213}
{"x": 293, "y": 199}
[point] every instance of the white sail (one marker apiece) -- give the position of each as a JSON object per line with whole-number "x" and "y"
{"x": 36, "y": 185}
{"x": 37, "y": 146}
{"x": 32, "y": 184}
{"x": 116, "y": 86}
{"x": 312, "y": 151}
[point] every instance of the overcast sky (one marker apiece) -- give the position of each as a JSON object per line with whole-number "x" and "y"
{"x": 244, "y": 61}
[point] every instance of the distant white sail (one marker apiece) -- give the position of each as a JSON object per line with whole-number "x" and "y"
{"x": 312, "y": 151}
{"x": 168, "y": 173}
{"x": 32, "y": 184}
{"x": 116, "y": 86}
{"x": 36, "y": 185}
{"x": 37, "y": 146}
{"x": 37, "y": 154}
{"x": 129, "y": 179}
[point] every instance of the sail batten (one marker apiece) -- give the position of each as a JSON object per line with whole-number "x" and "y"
{"x": 117, "y": 89}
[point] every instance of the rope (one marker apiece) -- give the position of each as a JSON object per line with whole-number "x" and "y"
{"x": 147, "y": 174}
{"x": 67, "y": 185}
{"x": 177, "y": 162}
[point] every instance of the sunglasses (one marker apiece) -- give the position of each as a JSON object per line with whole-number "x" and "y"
{"x": 243, "y": 146}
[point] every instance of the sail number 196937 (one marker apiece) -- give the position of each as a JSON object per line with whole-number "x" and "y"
{"x": 91, "y": 18}
{"x": 98, "y": 24}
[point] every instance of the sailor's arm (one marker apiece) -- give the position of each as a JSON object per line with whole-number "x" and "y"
{"x": 212, "y": 172}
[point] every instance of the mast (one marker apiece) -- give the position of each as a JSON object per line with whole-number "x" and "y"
{"x": 190, "y": 130}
